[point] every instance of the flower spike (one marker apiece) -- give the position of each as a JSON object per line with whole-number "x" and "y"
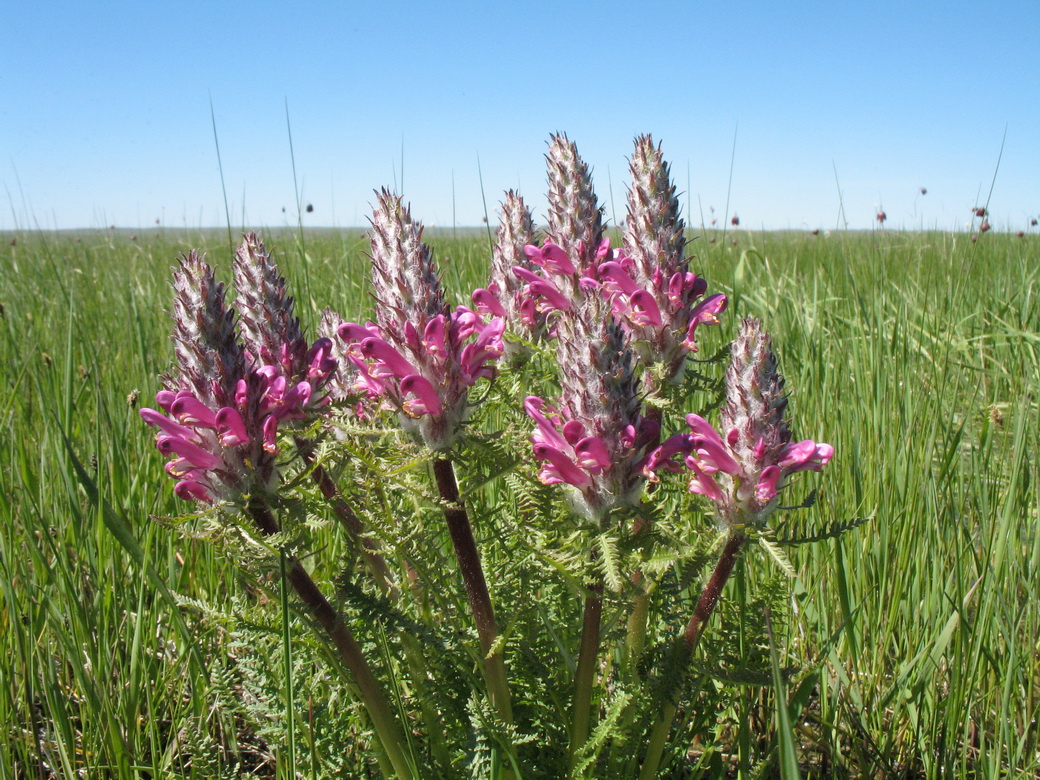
{"x": 419, "y": 357}
{"x": 649, "y": 283}
{"x": 744, "y": 469}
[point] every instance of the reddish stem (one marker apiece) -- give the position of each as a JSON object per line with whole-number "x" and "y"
{"x": 343, "y": 639}
{"x": 712, "y": 591}
{"x": 468, "y": 557}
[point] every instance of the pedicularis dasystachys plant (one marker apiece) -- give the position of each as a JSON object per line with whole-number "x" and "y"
{"x": 546, "y": 471}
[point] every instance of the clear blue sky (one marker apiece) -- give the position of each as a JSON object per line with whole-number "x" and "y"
{"x": 105, "y": 108}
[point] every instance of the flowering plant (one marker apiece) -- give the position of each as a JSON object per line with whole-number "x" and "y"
{"x": 503, "y": 475}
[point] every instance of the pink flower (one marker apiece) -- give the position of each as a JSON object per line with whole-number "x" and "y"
{"x": 653, "y": 293}
{"x": 419, "y": 358}
{"x": 221, "y": 453}
{"x": 550, "y": 257}
{"x": 595, "y": 438}
{"x": 743, "y": 470}
{"x": 222, "y": 407}
{"x": 572, "y": 455}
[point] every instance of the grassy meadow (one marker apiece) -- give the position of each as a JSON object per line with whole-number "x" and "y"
{"x": 910, "y": 640}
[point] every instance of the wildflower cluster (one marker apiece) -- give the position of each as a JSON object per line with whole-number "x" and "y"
{"x": 222, "y": 407}
{"x": 249, "y": 393}
{"x": 614, "y": 313}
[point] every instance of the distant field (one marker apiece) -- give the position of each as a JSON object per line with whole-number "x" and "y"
{"x": 912, "y": 638}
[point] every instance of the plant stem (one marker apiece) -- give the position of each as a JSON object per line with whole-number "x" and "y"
{"x": 585, "y": 674}
{"x": 348, "y": 519}
{"x": 385, "y": 582}
{"x": 635, "y": 640}
{"x": 691, "y": 637}
{"x": 350, "y": 652}
{"x": 287, "y": 668}
{"x": 476, "y": 586}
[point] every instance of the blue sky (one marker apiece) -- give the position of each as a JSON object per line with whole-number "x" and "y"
{"x": 105, "y": 110}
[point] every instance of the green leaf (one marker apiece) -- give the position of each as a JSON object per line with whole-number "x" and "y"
{"x": 788, "y": 751}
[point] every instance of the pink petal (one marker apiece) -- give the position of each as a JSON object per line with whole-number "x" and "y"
{"x": 542, "y": 288}
{"x": 645, "y": 310}
{"x": 547, "y": 433}
{"x": 191, "y": 411}
{"x": 805, "y": 455}
{"x": 713, "y": 457}
{"x": 166, "y": 425}
{"x": 528, "y": 310}
{"x": 269, "y": 372}
{"x": 704, "y": 313}
{"x": 573, "y": 431}
{"x": 703, "y": 484}
{"x": 526, "y": 275}
{"x": 562, "y": 467}
{"x": 189, "y": 490}
{"x": 661, "y": 457}
{"x": 319, "y": 359}
{"x": 428, "y": 400}
{"x": 487, "y": 347}
{"x": 553, "y": 297}
{"x": 271, "y": 435}
{"x": 588, "y": 284}
{"x": 366, "y": 381}
{"x": 487, "y": 302}
{"x": 434, "y": 336}
{"x": 464, "y": 323}
{"x": 352, "y": 333}
{"x": 377, "y": 349}
{"x": 194, "y": 454}
{"x": 179, "y": 467}
{"x": 165, "y": 399}
{"x": 230, "y": 427}
{"x": 550, "y": 257}
{"x": 758, "y": 452}
{"x": 592, "y": 454}
{"x": 613, "y": 272}
{"x": 295, "y": 400}
{"x": 676, "y": 285}
{"x": 702, "y": 427}
{"x": 767, "y": 482}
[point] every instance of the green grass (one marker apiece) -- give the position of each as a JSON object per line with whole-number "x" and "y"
{"x": 911, "y": 641}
